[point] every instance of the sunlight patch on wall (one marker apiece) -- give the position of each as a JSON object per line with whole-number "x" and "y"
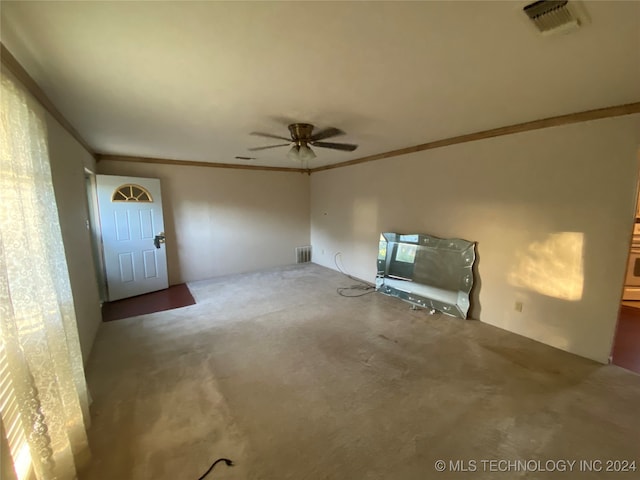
{"x": 553, "y": 267}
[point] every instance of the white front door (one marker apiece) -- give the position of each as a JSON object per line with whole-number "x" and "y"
{"x": 130, "y": 211}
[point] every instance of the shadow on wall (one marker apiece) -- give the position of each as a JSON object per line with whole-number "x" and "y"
{"x": 553, "y": 267}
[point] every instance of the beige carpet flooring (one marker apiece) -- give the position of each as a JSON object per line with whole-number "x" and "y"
{"x": 291, "y": 381}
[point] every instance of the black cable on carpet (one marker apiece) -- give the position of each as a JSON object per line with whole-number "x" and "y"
{"x": 225, "y": 460}
{"x": 362, "y": 285}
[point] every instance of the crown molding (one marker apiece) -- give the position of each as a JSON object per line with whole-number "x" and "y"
{"x": 190, "y": 163}
{"x": 13, "y": 65}
{"x": 557, "y": 121}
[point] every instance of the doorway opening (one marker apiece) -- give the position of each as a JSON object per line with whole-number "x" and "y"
{"x": 626, "y": 345}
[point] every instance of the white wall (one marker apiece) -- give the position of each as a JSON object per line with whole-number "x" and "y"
{"x": 551, "y": 210}
{"x": 222, "y": 221}
{"x": 68, "y": 161}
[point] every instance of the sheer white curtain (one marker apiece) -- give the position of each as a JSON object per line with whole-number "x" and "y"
{"x": 44, "y": 389}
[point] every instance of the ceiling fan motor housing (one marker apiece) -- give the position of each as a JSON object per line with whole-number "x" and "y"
{"x": 301, "y": 132}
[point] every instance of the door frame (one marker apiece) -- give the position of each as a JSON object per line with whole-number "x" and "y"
{"x": 96, "y": 234}
{"x": 636, "y": 214}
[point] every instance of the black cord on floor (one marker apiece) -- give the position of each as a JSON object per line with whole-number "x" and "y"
{"x": 342, "y": 270}
{"x": 225, "y": 460}
{"x": 367, "y": 289}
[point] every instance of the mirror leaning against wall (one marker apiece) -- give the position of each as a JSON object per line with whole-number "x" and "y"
{"x": 427, "y": 271}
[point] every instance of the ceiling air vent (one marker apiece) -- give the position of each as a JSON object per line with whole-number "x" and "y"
{"x": 552, "y": 16}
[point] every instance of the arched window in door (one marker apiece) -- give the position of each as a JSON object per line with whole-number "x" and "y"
{"x": 131, "y": 193}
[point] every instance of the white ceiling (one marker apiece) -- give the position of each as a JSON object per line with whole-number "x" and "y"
{"x": 189, "y": 80}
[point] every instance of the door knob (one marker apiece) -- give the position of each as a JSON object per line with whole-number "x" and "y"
{"x": 158, "y": 239}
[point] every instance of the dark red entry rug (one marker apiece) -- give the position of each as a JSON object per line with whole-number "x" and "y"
{"x": 175, "y": 296}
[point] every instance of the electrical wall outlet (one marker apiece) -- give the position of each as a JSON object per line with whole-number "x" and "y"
{"x": 518, "y": 306}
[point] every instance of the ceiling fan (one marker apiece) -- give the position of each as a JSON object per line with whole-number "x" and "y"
{"x": 302, "y": 137}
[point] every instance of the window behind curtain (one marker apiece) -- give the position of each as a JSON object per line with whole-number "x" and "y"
{"x": 43, "y": 396}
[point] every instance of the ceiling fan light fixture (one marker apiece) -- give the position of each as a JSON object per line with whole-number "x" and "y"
{"x": 302, "y": 137}
{"x": 294, "y": 153}
{"x": 305, "y": 153}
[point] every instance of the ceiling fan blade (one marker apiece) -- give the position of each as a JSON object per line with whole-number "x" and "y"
{"x": 326, "y": 133}
{"x": 347, "y": 147}
{"x": 268, "y": 146}
{"x": 268, "y": 135}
